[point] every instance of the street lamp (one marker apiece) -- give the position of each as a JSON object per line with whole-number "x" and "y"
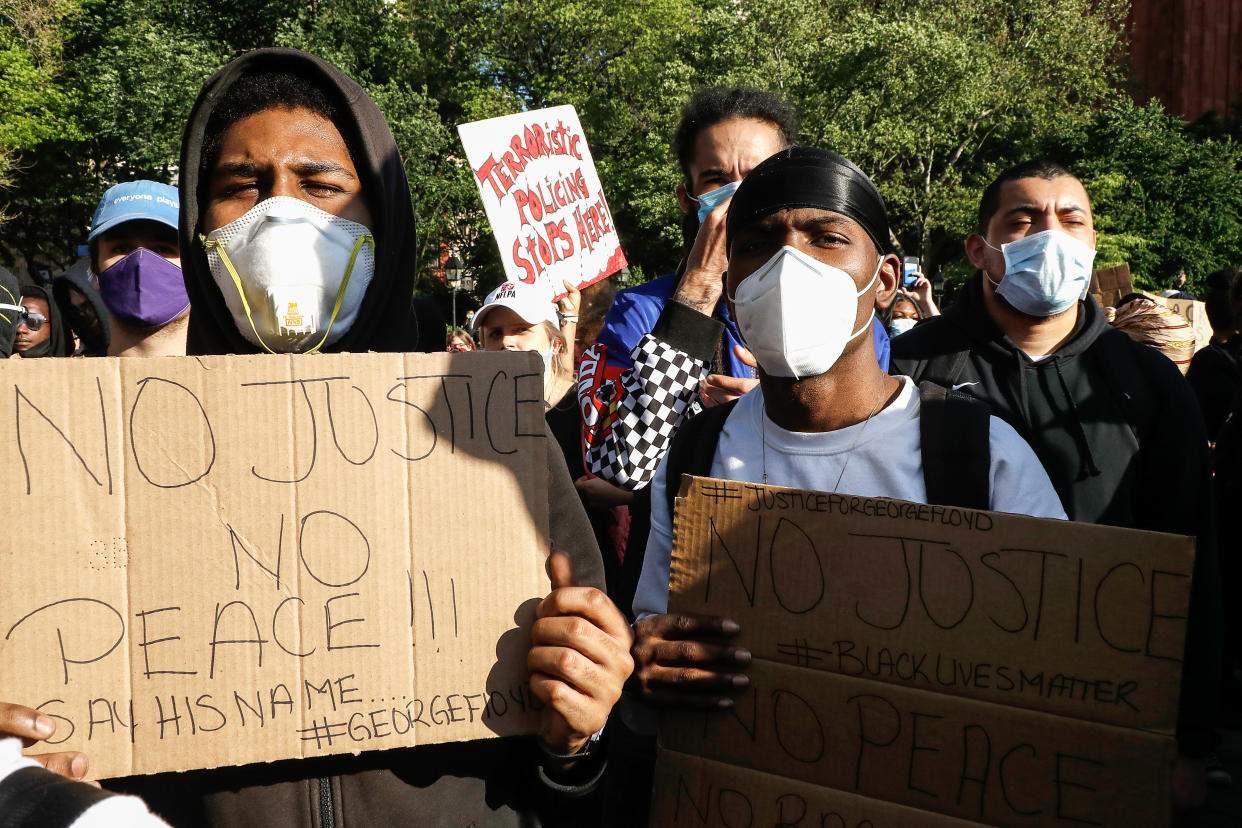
{"x": 453, "y": 272}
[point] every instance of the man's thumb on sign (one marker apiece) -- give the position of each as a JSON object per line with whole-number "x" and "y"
{"x": 579, "y": 659}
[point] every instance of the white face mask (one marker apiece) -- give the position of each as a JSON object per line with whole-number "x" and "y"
{"x": 1045, "y": 273}
{"x": 547, "y": 357}
{"x": 796, "y": 314}
{"x": 292, "y": 276}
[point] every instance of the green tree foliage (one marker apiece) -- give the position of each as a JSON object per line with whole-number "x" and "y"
{"x": 1165, "y": 199}
{"x": 932, "y": 97}
{"x": 34, "y": 105}
{"x": 128, "y": 86}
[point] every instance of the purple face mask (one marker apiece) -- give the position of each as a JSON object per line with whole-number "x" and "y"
{"x": 144, "y": 289}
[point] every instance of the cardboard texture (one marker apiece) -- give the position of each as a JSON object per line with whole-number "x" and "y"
{"x": 877, "y": 620}
{"x": 1110, "y": 284}
{"x": 1194, "y": 312}
{"x": 932, "y": 751}
{"x": 691, "y": 791}
{"x": 250, "y": 558}
{"x": 543, "y": 197}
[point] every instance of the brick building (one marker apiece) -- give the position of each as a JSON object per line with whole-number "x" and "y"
{"x": 1187, "y": 53}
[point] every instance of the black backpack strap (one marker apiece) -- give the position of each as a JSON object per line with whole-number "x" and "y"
{"x": 943, "y": 369}
{"x": 957, "y": 459}
{"x": 694, "y": 447}
{"x": 36, "y": 796}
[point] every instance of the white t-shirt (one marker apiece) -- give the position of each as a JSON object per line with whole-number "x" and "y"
{"x": 882, "y": 458}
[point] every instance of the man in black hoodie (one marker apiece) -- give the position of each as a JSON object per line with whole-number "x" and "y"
{"x": 1113, "y": 421}
{"x": 281, "y": 138}
{"x": 41, "y": 332}
{"x": 83, "y": 308}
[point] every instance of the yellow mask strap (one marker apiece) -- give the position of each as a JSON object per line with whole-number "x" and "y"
{"x": 213, "y": 244}
{"x": 340, "y": 293}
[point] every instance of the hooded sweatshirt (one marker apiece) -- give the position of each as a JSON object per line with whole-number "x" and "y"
{"x": 78, "y": 277}
{"x": 497, "y": 782}
{"x": 384, "y": 321}
{"x": 59, "y": 343}
{"x": 10, "y": 294}
{"x": 1120, "y": 434}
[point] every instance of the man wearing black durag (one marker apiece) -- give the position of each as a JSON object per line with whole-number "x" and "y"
{"x": 809, "y": 262}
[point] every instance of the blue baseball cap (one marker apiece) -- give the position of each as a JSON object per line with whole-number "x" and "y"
{"x": 135, "y": 200}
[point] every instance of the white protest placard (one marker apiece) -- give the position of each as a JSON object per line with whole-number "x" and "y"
{"x": 543, "y": 197}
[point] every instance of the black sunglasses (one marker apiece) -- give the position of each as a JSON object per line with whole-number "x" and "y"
{"x": 33, "y": 320}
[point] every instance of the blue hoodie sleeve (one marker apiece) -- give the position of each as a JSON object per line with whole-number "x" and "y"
{"x": 880, "y": 337}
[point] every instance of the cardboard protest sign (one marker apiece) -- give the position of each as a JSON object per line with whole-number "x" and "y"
{"x": 693, "y": 791}
{"x": 225, "y": 560}
{"x": 912, "y": 653}
{"x": 1110, "y": 284}
{"x": 543, "y": 197}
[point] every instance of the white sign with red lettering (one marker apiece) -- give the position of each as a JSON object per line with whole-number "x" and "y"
{"x": 543, "y": 197}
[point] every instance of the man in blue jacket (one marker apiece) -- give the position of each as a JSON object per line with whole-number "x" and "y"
{"x": 669, "y": 347}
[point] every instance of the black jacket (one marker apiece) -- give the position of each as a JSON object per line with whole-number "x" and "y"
{"x": 498, "y": 782}
{"x": 1120, "y": 434}
{"x": 1215, "y": 375}
{"x": 384, "y": 320}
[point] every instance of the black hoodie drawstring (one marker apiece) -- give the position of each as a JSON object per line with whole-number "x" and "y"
{"x": 1023, "y": 408}
{"x": 1086, "y": 458}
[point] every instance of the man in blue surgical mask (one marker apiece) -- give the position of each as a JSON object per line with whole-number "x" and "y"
{"x": 1113, "y": 421}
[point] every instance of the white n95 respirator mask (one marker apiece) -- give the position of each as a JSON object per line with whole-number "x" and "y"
{"x": 796, "y": 314}
{"x": 292, "y": 275}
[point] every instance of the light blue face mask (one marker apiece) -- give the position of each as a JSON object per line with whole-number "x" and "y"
{"x": 1045, "y": 273}
{"x": 899, "y": 326}
{"x": 711, "y": 199}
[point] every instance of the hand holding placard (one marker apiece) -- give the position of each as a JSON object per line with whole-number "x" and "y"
{"x": 684, "y": 659}
{"x": 579, "y": 659}
{"x": 33, "y": 727}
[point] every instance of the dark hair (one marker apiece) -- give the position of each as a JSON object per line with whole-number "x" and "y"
{"x": 1036, "y": 168}
{"x": 909, "y": 300}
{"x": 708, "y": 107}
{"x": 1219, "y": 301}
{"x": 885, "y": 314}
{"x": 260, "y": 91}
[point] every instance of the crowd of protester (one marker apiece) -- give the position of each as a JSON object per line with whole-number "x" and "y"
{"x": 786, "y": 347}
